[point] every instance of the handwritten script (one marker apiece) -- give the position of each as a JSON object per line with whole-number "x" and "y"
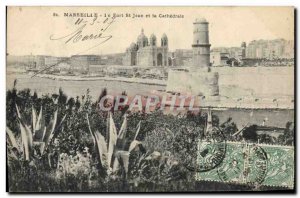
{"x": 83, "y": 34}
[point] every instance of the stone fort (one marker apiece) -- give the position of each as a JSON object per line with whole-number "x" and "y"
{"x": 196, "y": 79}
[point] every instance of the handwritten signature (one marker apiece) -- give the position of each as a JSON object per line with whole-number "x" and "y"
{"x": 81, "y": 34}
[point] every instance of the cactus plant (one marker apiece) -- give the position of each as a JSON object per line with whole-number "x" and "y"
{"x": 113, "y": 153}
{"x": 37, "y": 135}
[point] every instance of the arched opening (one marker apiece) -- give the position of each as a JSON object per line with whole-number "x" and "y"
{"x": 159, "y": 59}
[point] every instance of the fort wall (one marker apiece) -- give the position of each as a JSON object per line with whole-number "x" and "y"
{"x": 193, "y": 83}
{"x": 259, "y": 82}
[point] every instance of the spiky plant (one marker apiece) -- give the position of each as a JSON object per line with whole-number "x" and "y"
{"x": 112, "y": 152}
{"x": 37, "y": 135}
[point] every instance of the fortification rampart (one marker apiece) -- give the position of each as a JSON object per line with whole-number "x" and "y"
{"x": 194, "y": 83}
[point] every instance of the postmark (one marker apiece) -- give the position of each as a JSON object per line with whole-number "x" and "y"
{"x": 231, "y": 169}
{"x": 211, "y": 151}
{"x": 246, "y": 164}
{"x": 257, "y": 166}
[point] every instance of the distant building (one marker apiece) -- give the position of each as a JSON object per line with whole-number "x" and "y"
{"x": 220, "y": 55}
{"x": 28, "y": 61}
{"x": 218, "y": 58}
{"x": 81, "y": 63}
{"x": 36, "y": 61}
{"x": 145, "y": 53}
{"x": 63, "y": 66}
{"x": 97, "y": 69}
{"x": 182, "y": 57}
{"x": 112, "y": 59}
{"x": 270, "y": 49}
{"x": 54, "y": 60}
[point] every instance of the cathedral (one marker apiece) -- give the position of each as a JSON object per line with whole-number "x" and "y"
{"x": 147, "y": 52}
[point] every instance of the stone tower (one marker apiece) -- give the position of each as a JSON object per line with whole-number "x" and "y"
{"x": 201, "y": 46}
{"x": 243, "y": 46}
{"x": 199, "y": 80}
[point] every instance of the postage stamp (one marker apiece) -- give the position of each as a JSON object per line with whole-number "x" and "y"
{"x": 254, "y": 165}
{"x": 211, "y": 150}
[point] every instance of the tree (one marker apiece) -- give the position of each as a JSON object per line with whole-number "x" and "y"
{"x": 250, "y": 133}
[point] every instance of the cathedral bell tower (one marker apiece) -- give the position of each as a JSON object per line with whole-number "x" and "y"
{"x": 201, "y": 46}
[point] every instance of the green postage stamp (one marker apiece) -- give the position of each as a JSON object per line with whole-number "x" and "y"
{"x": 252, "y": 164}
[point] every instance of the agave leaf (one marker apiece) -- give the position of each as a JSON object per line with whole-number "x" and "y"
{"x": 18, "y": 112}
{"x": 50, "y": 128}
{"x": 153, "y": 156}
{"x": 116, "y": 165}
{"x": 112, "y": 139}
{"x": 40, "y": 127}
{"x": 49, "y": 132}
{"x": 34, "y": 119}
{"x": 137, "y": 130}
{"x": 26, "y": 139}
{"x": 26, "y": 136}
{"x": 122, "y": 158}
{"x": 90, "y": 130}
{"x": 102, "y": 148}
{"x": 125, "y": 159}
{"x": 121, "y": 141}
{"x": 43, "y": 133}
{"x": 11, "y": 155}
{"x": 133, "y": 145}
{"x": 41, "y": 118}
{"x": 123, "y": 130}
{"x": 57, "y": 127}
{"x": 101, "y": 145}
{"x": 12, "y": 139}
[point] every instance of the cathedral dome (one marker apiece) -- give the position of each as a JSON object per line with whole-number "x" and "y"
{"x": 133, "y": 46}
{"x": 164, "y": 36}
{"x": 145, "y": 39}
{"x": 142, "y": 39}
{"x": 153, "y": 40}
{"x": 164, "y": 40}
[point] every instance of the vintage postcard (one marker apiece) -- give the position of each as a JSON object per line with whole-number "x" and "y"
{"x": 150, "y": 99}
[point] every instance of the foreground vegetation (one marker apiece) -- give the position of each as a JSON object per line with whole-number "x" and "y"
{"x": 56, "y": 143}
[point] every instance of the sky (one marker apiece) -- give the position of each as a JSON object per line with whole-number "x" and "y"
{"x": 29, "y": 29}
